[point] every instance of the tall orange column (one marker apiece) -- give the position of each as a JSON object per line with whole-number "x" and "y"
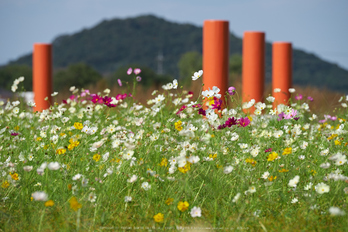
{"x": 42, "y": 75}
{"x": 216, "y": 55}
{"x": 253, "y": 67}
{"x": 281, "y": 72}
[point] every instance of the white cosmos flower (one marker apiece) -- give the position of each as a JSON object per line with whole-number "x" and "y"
{"x": 293, "y": 201}
{"x": 77, "y": 176}
{"x": 235, "y": 199}
{"x": 28, "y": 168}
{"x": 92, "y": 197}
{"x": 132, "y": 179}
{"x": 128, "y": 154}
{"x": 292, "y": 90}
{"x": 127, "y": 199}
{"x": 53, "y": 166}
{"x": 270, "y": 98}
{"x": 234, "y": 136}
{"x": 197, "y": 75}
{"x": 341, "y": 160}
{"x": 196, "y": 212}
{"x": 293, "y": 182}
{"x": 265, "y": 175}
{"x": 228, "y": 169}
{"x": 308, "y": 186}
{"x": 39, "y": 196}
{"x": 146, "y": 186}
{"x": 277, "y": 90}
{"x": 335, "y": 211}
{"x": 322, "y": 188}
{"x": 325, "y": 165}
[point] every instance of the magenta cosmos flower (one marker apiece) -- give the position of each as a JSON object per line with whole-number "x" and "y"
{"x": 231, "y": 90}
{"x": 244, "y": 121}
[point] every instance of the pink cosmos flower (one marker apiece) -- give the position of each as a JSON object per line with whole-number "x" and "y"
{"x": 119, "y": 82}
{"x": 231, "y": 90}
{"x": 181, "y": 109}
{"x": 138, "y": 78}
{"x": 96, "y": 98}
{"x": 217, "y": 104}
{"x": 310, "y": 98}
{"x": 243, "y": 122}
{"x": 231, "y": 121}
{"x": 137, "y": 71}
{"x": 129, "y": 71}
{"x": 298, "y": 97}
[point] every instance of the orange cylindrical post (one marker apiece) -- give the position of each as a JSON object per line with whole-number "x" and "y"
{"x": 42, "y": 75}
{"x": 281, "y": 72}
{"x": 253, "y": 67}
{"x": 216, "y": 55}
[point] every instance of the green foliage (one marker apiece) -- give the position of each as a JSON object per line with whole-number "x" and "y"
{"x": 235, "y": 64}
{"x": 189, "y": 63}
{"x": 78, "y": 75}
{"x": 11, "y": 72}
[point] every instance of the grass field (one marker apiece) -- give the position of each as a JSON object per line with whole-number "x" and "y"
{"x": 108, "y": 162}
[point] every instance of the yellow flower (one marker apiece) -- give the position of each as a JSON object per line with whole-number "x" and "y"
{"x": 178, "y": 125}
{"x": 337, "y": 142}
{"x": 272, "y": 156}
{"x": 283, "y": 170}
{"x": 38, "y": 139}
{"x": 332, "y": 136}
{"x": 287, "y": 151}
{"x": 158, "y": 217}
{"x": 211, "y": 156}
{"x": 96, "y": 157}
{"x": 49, "y": 203}
{"x": 250, "y": 118}
{"x": 14, "y": 176}
{"x": 182, "y": 206}
{"x": 74, "y": 204}
{"x": 5, "y": 184}
{"x": 78, "y": 125}
{"x": 313, "y": 172}
{"x": 272, "y": 178}
{"x": 186, "y": 168}
{"x": 169, "y": 201}
{"x": 251, "y": 161}
{"x": 164, "y": 162}
{"x": 16, "y": 128}
{"x": 61, "y": 151}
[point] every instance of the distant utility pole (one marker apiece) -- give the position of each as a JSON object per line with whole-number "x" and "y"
{"x": 160, "y": 59}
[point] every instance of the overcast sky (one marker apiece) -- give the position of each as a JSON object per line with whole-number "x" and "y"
{"x": 316, "y": 26}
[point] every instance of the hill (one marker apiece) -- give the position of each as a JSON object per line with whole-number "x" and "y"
{"x": 114, "y": 43}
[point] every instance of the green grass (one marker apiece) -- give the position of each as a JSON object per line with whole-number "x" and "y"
{"x": 203, "y": 184}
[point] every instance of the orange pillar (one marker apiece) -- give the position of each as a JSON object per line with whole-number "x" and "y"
{"x": 253, "y": 67}
{"x": 281, "y": 72}
{"x": 42, "y": 75}
{"x": 216, "y": 55}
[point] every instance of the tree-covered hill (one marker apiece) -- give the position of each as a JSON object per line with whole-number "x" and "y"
{"x": 118, "y": 42}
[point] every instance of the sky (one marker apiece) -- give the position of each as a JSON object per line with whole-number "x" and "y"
{"x": 315, "y": 26}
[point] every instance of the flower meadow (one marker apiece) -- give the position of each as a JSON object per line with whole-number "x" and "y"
{"x": 97, "y": 162}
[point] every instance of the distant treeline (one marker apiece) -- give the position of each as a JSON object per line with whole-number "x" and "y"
{"x": 115, "y": 44}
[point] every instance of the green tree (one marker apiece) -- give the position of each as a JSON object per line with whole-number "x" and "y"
{"x": 11, "y": 72}
{"x": 189, "y": 63}
{"x": 78, "y": 75}
{"x": 235, "y": 64}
